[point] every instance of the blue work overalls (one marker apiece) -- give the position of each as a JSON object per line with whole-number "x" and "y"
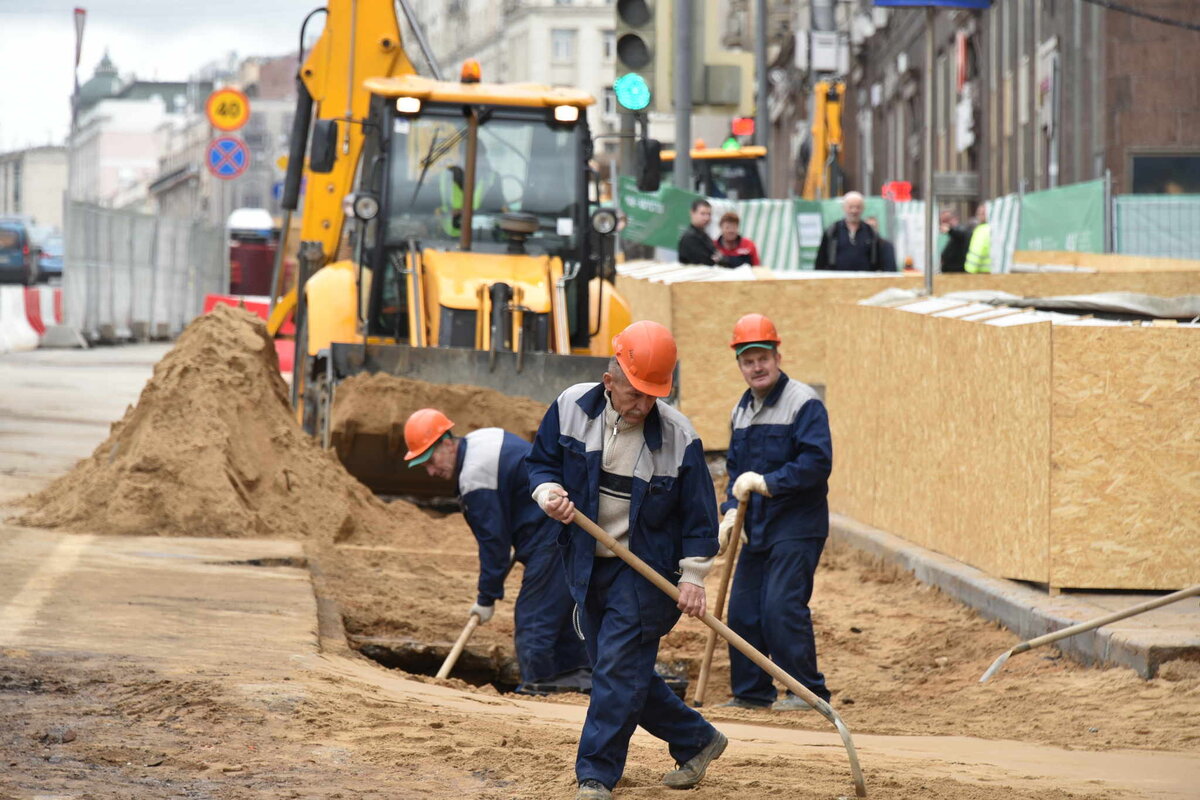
{"x": 672, "y": 515}
{"x": 493, "y": 487}
{"x": 787, "y": 441}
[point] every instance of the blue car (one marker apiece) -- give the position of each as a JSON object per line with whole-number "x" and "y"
{"x": 50, "y": 260}
{"x": 18, "y": 261}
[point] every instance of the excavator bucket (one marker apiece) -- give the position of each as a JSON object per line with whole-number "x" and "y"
{"x": 376, "y": 456}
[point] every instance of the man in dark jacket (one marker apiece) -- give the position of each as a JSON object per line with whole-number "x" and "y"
{"x": 695, "y": 247}
{"x": 954, "y": 254}
{"x": 849, "y": 243}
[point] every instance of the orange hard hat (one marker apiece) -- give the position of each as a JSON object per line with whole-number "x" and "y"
{"x": 753, "y": 329}
{"x": 646, "y": 352}
{"x": 422, "y": 431}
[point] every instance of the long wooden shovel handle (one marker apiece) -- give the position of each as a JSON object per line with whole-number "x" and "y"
{"x": 1140, "y": 608}
{"x": 769, "y": 666}
{"x": 456, "y": 651}
{"x": 710, "y": 644}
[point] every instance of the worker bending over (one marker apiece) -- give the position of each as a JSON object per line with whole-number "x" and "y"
{"x": 779, "y": 461}
{"x": 488, "y": 467}
{"x": 635, "y": 465}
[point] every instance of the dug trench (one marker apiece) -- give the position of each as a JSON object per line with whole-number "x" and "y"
{"x": 211, "y": 449}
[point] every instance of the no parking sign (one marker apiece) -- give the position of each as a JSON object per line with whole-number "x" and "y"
{"x": 227, "y": 157}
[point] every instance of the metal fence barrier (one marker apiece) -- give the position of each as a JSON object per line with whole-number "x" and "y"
{"x": 1158, "y": 225}
{"x": 128, "y": 275}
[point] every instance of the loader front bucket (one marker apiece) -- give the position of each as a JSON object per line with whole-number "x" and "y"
{"x": 373, "y": 451}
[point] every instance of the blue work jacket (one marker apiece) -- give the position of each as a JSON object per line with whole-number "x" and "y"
{"x": 493, "y": 487}
{"x": 672, "y": 511}
{"x": 788, "y": 443}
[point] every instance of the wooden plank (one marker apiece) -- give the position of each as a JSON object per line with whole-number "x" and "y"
{"x": 942, "y": 435}
{"x": 1049, "y": 284}
{"x": 1106, "y": 262}
{"x": 1125, "y": 507}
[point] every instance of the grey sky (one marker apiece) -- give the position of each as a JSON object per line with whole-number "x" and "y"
{"x": 164, "y": 39}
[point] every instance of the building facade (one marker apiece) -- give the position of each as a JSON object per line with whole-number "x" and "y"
{"x": 1028, "y": 95}
{"x": 33, "y": 183}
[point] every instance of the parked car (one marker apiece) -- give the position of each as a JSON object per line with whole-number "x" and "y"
{"x": 18, "y": 257}
{"x": 50, "y": 259}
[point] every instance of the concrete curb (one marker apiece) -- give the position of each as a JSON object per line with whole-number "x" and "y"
{"x": 1025, "y": 611}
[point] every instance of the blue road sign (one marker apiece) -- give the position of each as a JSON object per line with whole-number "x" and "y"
{"x": 227, "y": 157}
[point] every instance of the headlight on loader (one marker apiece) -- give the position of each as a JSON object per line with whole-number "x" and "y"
{"x": 361, "y": 206}
{"x": 408, "y": 105}
{"x": 566, "y": 114}
{"x": 604, "y": 221}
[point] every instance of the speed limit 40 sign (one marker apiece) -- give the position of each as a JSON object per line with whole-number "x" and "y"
{"x": 227, "y": 109}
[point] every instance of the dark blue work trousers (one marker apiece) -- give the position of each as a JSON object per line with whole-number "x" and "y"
{"x": 545, "y": 638}
{"x": 768, "y": 606}
{"x": 626, "y": 691}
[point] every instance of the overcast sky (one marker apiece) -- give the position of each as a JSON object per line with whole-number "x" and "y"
{"x": 163, "y": 39}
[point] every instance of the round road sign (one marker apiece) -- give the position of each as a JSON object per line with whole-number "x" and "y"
{"x": 227, "y": 109}
{"x": 227, "y": 157}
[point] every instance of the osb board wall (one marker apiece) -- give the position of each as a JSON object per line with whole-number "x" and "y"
{"x": 1125, "y": 494}
{"x": 1106, "y": 262}
{"x": 941, "y": 434}
{"x": 647, "y": 300}
{"x": 1048, "y": 284}
{"x": 704, "y": 315}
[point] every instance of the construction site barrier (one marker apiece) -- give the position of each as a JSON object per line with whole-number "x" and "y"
{"x": 129, "y": 275}
{"x": 43, "y": 307}
{"x": 17, "y": 333}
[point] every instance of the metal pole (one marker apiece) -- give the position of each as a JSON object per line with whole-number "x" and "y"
{"x": 683, "y": 94}
{"x": 1108, "y": 211}
{"x": 627, "y": 145}
{"x": 762, "y": 112}
{"x": 927, "y": 178}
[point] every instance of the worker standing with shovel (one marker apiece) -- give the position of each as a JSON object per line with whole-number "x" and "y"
{"x": 488, "y": 467}
{"x": 779, "y": 460}
{"x": 634, "y": 464}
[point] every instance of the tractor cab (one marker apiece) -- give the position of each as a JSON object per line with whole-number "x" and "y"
{"x": 730, "y": 174}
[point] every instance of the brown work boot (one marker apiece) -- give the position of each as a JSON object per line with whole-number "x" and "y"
{"x": 691, "y": 773}
{"x": 592, "y": 790}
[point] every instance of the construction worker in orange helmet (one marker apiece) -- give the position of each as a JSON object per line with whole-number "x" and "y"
{"x": 779, "y": 460}
{"x": 489, "y": 472}
{"x": 634, "y": 464}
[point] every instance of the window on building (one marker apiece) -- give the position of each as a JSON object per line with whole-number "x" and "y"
{"x": 562, "y": 45}
{"x": 563, "y": 2}
{"x": 16, "y": 186}
{"x": 610, "y": 101}
{"x": 610, "y": 45}
{"x": 1167, "y": 173}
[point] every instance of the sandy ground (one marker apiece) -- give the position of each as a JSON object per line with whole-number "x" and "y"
{"x": 200, "y": 692}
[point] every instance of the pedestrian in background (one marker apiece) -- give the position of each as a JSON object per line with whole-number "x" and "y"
{"x": 488, "y": 468}
{"x": 635, "y": 465}
{"x": 849, "y": 243}
{"x": 979, "y": 253}
{"x": 958, "y": 239}
{"x": 779, "y": 460}
{"x": 736, "y": 249}
{"x": 694, "y": 245}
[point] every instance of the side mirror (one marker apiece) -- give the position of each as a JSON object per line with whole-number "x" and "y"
{"x": 323, "y": 152}
{"x": 649, "y": 165}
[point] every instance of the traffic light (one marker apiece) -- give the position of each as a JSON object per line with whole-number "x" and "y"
{"x": 642, "y": 53}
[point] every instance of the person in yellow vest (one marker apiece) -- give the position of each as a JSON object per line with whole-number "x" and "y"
{"x": 979, "y": 252}
{"x": 451, "y": 187}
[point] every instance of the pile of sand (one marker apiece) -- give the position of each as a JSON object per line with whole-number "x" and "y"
{"x": 379, "y": 405}
{"x": 212, "y": 449}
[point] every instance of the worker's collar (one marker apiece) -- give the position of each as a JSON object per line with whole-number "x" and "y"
{"x": 459, "y": 455}
{"x": 772, "y": 396}
{"x": 594, "y": 400}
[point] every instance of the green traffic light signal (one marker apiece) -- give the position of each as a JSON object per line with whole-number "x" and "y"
{"x": 632, "y": 91}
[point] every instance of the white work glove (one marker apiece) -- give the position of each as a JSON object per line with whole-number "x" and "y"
{"x": 553, "y": 501}
{"x": 725, "y": 529}
{"x": 483, "y": 612}
{"x": 749, "y": 482}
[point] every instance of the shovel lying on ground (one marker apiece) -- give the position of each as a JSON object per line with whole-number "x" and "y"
{"x": 710, "y": 645}
{"x": 456, "y": 651}
{"x": 772, "y": 669}
{"x": 1087, "y": 626}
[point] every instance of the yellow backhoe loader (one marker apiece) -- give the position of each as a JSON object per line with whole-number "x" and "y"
{"x": 733, "y": 174}
{"x": 449, "y": 231}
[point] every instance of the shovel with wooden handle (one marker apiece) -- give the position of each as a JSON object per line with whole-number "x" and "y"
{"x": 769, "y": 666}
{"x": 456, "y": 651}
{"x": 710, "y": 645}
{"x": 1140, "y": 608}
